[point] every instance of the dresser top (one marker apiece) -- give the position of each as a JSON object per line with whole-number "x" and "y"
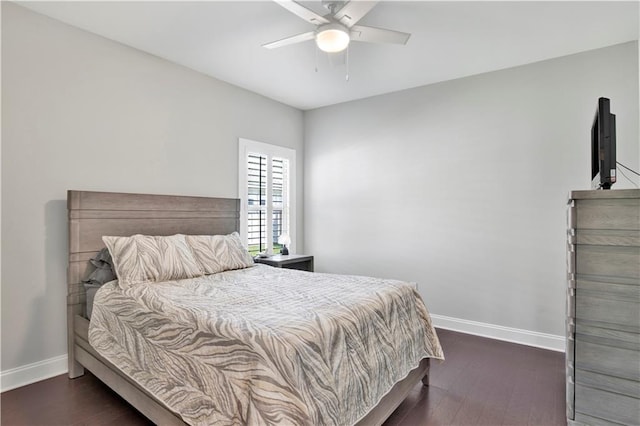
{"x": 604, "y": 194}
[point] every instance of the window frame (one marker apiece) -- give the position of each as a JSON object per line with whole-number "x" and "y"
{"x": 246, "y": 146}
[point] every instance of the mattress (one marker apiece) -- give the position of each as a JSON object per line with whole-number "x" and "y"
{"x": 265, "y": 345}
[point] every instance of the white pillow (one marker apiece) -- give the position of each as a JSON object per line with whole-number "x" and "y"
{"x": 142, "y": 259}
{"x": 217, "y": 253}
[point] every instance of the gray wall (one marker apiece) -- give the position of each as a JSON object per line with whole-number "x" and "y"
{"x": 83, "y": 112}
{"x": 461, "y": 186}
{"x": 441, "y": 184}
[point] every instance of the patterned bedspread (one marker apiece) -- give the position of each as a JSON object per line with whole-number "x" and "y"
{"x": 265, "y": 345}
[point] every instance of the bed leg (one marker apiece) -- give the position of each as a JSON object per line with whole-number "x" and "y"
{"x": 425, "y": 378}
{"x": 75, "y": 369}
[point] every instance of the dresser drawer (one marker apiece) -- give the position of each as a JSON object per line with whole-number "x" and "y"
{"x": 614, "y": 261}
{"x": 608, "y": 383}
{"x": 584, "y": 420}
{"x": 607, "y": 405}
{"x": 609, "y": 214}
{"x": 595, "y": 307}
{"x": 607, "y": 360}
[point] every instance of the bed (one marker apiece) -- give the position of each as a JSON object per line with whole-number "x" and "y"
{"x": 95, "y": 214}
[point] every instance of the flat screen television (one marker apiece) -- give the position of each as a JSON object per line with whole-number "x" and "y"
{"x": 603, "y": 147}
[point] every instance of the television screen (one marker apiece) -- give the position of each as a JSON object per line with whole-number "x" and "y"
{"x": 603, "y": 147}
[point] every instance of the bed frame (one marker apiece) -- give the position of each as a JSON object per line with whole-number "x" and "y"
{"x": 94, "y": 214}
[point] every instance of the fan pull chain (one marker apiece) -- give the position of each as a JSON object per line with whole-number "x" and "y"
{"x": 316, "y": 58}
{"x": 346, "y": 77}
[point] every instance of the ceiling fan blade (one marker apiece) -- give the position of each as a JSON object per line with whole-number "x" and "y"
{"x": 378, "y": 35}
{"x": 301, "y": 11}
{"x": 353, "y": 11}
{"x": 290, "y": 40}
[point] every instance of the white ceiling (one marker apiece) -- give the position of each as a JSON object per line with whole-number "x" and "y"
{"x": 449, "y": 40}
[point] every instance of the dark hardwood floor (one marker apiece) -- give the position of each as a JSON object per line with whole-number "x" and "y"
{"x": 488, "y": 382}
{"x": 482, "y": 382}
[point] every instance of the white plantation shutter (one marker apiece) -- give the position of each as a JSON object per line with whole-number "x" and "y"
{"x": 280, "y": 200}
{"x": 265, "y": 192}
{"x": 256, "y": 202}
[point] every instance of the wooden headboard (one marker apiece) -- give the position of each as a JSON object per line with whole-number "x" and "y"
{"x": 94, "y": 214}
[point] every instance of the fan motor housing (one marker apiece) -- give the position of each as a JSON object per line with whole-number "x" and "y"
{"x": 333, "y": 5}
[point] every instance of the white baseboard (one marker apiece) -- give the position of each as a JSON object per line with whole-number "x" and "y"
{"x": 498, "y": 332}
{"x": 52, "y": 367}
{"x": 31, "y": 373}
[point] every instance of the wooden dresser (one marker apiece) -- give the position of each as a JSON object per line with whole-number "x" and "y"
{"x": 603, "y": 307}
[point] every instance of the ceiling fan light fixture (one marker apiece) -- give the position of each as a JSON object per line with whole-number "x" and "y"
{"x": 332, "y": 38}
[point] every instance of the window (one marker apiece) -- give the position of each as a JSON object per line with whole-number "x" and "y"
{"x": 267, "y": 193}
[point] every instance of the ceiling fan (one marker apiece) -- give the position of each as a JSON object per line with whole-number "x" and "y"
{"x": 336, "y": 29}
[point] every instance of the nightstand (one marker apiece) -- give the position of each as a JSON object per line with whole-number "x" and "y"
{"x": 293, "y": 261}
